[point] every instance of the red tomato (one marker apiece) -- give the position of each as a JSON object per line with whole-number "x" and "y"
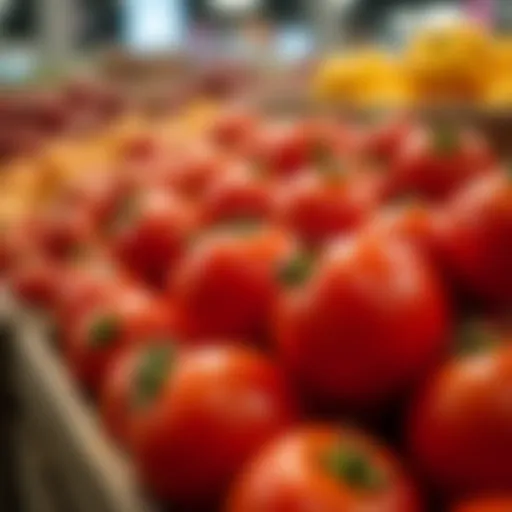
{"x": 362, "y": 323}
{"x": 436, "y": 163}
{"x": 324, "y": 202}
{"x": 61, "y": 232}
{"x": 194, "y": 170}
{"x": 494, "y": 504}
{"x": 151, "y": 232}
{"x": 460, "y": 430}
{"x": 226, "y": 284}
{"x": 414, "y": 222}
{"x": 476, "y": 237}
{"x": 233, "y": 128}
{"x": 199, "y": 415}
{"x": 84, "y": 283}
{"x": 140, "y": 147}
{"x": 238, "y": 194}
{"x": 35, "y": 280}
{"x": 384, "y": 139}
{"x": 98, "y": 196}
{"x": 108, "y": 326}
{"x": 324, "y": 468}
{"x": 117, "y": 390}
{"x": 282, "y": 147}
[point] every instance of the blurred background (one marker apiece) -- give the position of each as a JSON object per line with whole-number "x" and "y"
{"x": 42, "y": 36}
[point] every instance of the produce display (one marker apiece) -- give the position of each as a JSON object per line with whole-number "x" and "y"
{"x": 457, "y": 64}
{"x": 281, "y": 314}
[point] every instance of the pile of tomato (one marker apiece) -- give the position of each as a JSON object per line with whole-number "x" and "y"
{"x": 290, "y": 315}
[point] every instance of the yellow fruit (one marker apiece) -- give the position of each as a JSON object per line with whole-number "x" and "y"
{"x": 360, "y": 77}
{"x": 499, "y": 94}
{"x": 503, "y": 57}
{"x": 450, "y": 62}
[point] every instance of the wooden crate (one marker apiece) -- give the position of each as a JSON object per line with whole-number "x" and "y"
{"x": 65, "y": 461}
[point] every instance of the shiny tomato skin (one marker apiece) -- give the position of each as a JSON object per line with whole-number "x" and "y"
{"x": 415, "y": 222}
{"x": 371, "y": 317}
{"x": 317, "y": 207}
{"x": 101, "y": 331}
{"x": 290, "y": 475}
{"x": 226, "y": 284}
{"x": 476, "y": 237}
{"x": 492, "y": 504}
{"x": 217, "y": 406}
{"x": 433, "y": 167}
{"x": 150, "y": 235}
{"x": 460, "y": 427}
{"x": 238, "y": 194}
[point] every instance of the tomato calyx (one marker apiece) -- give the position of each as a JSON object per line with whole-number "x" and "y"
{"x": 445, "y": 139}
{"x": 326, "y": 163}
{"x": 152, "y": 370}
{"x": 103, "y": 330}
{"x": 125, "y": 214}
{"x": 353, "y": 467}
{"x": 476, "y": 338}
{"x": 243, "y": 224}
{"x": 297, "y": 270}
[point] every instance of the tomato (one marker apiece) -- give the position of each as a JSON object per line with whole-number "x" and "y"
{"x": 460, "y": 428}
{"x": 493, "y": 504}
{"x": 62, "y": 231}
{"x": 141, "y": 146}
{"x": 413, "y": 221}
{"x": 476, "y": 237}
{"x": 324, "y": 202}
{"x": 117, "y": 389}
{"x": 85, "y": 282}
{"x": 226, "y": 284}
{"x": 361, "y": 323}
{"x": 233, "y": 128}
{"x": 435, "y": 162}
{"x": 238, "y": 194}
{"x": 195, "y": 169}
{"x": 105, "y": 328}
{"x": 281, "y": 147}
{"x": 150, "y": 233}
{"x": 385, "y": 138}
{"x": 34, "y": 280}
{"x": 200, "y": 414}
{"x": 98, "y": 195}
{"x": 324, "y": 468}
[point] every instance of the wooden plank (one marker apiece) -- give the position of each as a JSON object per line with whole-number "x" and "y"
{"x": 98, "y": 477}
